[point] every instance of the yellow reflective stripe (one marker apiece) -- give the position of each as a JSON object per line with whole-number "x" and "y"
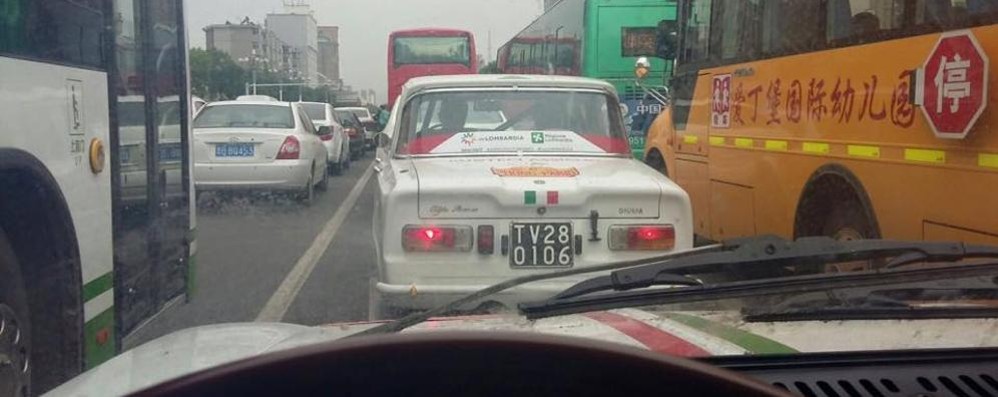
{"x": 989, "y": 160}
{"x": 777, "y": 145}
{"x": 717, "y": 141}
{"x": 863, "y": 151}
{"x": 925, "y": 155}
{"x": 816, "y": 147}
{"x": 744, "y": 142}
{"x": 691, "y": 139}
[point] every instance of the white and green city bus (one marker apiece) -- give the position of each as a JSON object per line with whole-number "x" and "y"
{"x": 96, "y": 217}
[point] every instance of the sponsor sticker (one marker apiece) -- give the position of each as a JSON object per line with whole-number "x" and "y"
{"x": 536, "y": 172}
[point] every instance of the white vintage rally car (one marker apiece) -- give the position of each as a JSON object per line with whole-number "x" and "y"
{"x": 488, "y": 177}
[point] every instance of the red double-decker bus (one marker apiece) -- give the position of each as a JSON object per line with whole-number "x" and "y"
{"x": 428, "y": 52}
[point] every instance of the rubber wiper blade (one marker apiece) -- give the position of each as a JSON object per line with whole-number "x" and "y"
{"x": 790, "y": 285}
{"x": 772, "y": 255}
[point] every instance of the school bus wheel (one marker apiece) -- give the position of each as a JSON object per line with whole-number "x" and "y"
{"x": 655, "y": 161}
{"x": 15, "y": 334}
{"x": 834, "y": 204}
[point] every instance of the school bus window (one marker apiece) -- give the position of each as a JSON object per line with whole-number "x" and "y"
{"x": 696, "y": 36}
{"x": 953, "y": 12}
{"x": 791, "y": 26}
{"x": 862, "y": 19}
{"x": 737, "y": 30}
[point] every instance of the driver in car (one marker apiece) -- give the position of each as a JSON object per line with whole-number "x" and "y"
{"x": 453, "y": 115}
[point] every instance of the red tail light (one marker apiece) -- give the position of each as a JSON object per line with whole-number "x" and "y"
{"x": 327, "y": 137}
{"x": 290, "y": 149}
{"x": 642, "y": 237}
{"x": 436, "y": 238}
{"x": 486, "y": 240}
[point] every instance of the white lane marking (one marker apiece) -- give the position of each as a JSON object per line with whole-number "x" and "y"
{"x": 98, "y": 305}
{"x": 278, "y": 303}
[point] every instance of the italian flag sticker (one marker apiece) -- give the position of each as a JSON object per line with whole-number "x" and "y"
{"x": 530, "y": 197}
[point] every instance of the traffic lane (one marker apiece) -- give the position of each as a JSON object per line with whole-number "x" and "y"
{"x": 246, "y": 246}
{"x": 337, "y": 290}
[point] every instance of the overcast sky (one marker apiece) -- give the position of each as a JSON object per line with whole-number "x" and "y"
{"x": 365, "y": 25}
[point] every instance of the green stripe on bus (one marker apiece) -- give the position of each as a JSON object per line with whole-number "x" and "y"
{"x": 746, "y": 340}
{"x": 100, "y": 328}
{"x": 98, "y": 286}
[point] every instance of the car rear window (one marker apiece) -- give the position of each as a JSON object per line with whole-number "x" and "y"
{"x": 315, "y": 111}
{"x": 524, "y": 121}
{"x": 361, "y": 113}
{"x": 245, "y": 116}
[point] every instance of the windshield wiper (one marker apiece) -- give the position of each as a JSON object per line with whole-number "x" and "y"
{"x": 893, "y": 303}
{"x": 763, "y": 252}
{"x": 418, "y": 317}
{"x": 773, "y": 255}
{"x": 791, "y": 285}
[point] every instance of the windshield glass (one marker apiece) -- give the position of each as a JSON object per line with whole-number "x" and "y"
{"x": 246, "y": 116}
{"x": 431, "y": 50}
{"x": 199, "y": 181}
{"x": 315, "y": 111}
{"x": 467, "y": 122}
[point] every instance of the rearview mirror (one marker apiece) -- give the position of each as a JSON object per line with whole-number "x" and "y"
{"x": 487, "y": 105}
{"x": 383, "y": 140}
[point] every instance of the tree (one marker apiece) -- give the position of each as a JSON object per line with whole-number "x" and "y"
{"x": 490, "y": 68}
{"x": 215, "y": 76}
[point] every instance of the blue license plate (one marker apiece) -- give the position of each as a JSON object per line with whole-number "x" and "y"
{"x": 171, "y": 152}
{"x": 234, "y": 150}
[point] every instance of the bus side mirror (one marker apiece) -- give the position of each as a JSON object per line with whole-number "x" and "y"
{"x": 667, "y": 40}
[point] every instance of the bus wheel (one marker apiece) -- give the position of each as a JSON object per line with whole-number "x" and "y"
{"x": 846, "y": 223}
{"x": 835, "y": 204}
{"x": 15, "y": 328}
{"x": 656, "y": 162}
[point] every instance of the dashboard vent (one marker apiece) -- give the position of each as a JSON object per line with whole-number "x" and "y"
{"x": 980, "y": 385}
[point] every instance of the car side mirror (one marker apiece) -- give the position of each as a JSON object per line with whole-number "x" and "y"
{"x": 383, "y": 140}
{"x": 325, "y": 130}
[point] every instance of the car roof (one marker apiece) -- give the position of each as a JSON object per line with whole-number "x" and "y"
{"x": 353, "y": 108}
{"x": 314, "y": 103}
{"x": 508, "y": 80}
{"x": 244, "y": 102}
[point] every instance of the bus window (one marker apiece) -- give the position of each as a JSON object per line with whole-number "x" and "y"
{"x": 63, "y": 31}
{"x": 696, "y": 35}
{"x": 944, "y": 13}
{"x": 737, "y": 33}
{"x": 862, "y": 19}
{"x": 791, "y": 26}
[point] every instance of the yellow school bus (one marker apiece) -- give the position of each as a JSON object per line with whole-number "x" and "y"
{"x": 843, "y": 118}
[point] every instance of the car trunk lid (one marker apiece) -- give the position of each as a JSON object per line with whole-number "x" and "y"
{"x": 534, "y": 187}
{"x": 238, "y": 145}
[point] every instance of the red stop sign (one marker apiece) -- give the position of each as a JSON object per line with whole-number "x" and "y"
{"x": 954, "y": 84}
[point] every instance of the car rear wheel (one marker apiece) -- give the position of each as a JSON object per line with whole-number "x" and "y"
{"x": 324, "y": 182}
{"x": 15, "y": 326}
{"x": 306, "y": 195}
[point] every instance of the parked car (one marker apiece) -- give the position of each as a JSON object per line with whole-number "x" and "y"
{"x": 333, "y": 136}
{"x": 265, "y": 145}
{"x": 355, "y": 130}
{"x": 371, "y": 125}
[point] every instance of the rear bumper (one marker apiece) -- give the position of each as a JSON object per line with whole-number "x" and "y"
{"x": 279, "y": 175}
